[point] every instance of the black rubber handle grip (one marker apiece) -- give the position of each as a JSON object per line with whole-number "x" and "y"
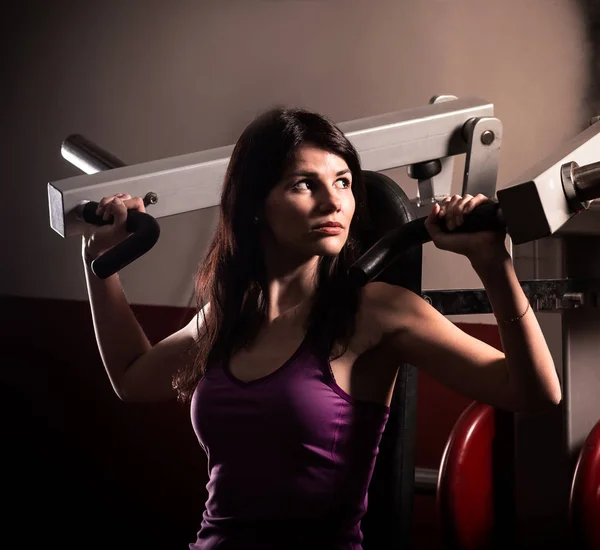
{"x": 485, "y": 217}
{"x": 144, "y": 231}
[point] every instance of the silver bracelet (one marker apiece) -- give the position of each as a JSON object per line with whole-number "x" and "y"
{"x": 514, "y": 319}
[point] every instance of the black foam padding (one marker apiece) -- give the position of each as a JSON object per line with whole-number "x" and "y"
{"x": 387, "y": 523}
{"x": 397, "y": 242}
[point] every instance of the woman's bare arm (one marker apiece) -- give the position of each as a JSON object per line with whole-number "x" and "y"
{"x": 137, "y": 370}
{"x": 521, "y": 379}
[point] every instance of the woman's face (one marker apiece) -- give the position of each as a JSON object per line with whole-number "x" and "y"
{"x": 308, "y": 213}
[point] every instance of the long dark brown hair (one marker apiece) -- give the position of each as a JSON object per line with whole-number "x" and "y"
{"x": 231, "y": 278}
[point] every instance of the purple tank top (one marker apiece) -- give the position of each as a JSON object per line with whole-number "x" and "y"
{"x": 290, "y": 457}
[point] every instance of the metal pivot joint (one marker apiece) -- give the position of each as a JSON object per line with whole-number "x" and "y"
{"x": 581, "y": 184}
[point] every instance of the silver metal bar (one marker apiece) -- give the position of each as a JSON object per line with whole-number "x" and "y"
{"x": 87, "y": 156}
{"x": 193, "y": 182}
{"x": 426, "y": 481}
{"x": 586, "y": 180}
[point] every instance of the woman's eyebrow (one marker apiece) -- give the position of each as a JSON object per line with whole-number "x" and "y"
{"x": 309, "y": 174}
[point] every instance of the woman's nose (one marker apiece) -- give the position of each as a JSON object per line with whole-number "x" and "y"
{"x": 330, "y": 200}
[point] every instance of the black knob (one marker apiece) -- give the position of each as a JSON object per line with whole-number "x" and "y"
{"x": 425, "y": 170}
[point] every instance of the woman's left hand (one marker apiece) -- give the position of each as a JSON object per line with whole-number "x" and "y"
{"x": 476, "y": 246}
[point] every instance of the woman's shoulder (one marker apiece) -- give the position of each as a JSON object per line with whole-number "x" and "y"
{"x": 387, "y": 305}
{"x": 383, "y": 295}
{"x": 383, "y": 310}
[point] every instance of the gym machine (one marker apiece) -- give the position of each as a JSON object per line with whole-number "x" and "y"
{"x": 548, "y": 213}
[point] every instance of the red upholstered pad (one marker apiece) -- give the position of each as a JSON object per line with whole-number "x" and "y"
{"x": 464, "y": 495}
{"x": 585, "y": 493}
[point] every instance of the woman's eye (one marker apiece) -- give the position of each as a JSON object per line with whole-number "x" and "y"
{"x": 305, "y": 185}
{"x": 302, "y": 185}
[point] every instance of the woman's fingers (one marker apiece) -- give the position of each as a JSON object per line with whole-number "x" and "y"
{"x": 449, "y": 210}
{"x": 432, "y": 223}
{"x": 131, "y": 203}
{"x": 454, "y": 209}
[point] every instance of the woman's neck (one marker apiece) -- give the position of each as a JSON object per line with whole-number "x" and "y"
{"x": 289, "y": 291}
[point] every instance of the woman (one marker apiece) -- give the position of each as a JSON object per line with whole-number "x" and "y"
{"x": 288, "y": 368}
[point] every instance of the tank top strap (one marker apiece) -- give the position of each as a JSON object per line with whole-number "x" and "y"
{"x": 320, "y": 358}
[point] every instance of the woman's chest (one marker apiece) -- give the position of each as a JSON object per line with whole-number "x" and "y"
{"x": 294, "y": 405}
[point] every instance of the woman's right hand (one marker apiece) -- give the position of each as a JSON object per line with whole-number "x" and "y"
{"x": 99, "y": 239}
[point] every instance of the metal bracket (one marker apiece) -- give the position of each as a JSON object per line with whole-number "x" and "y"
{"x": 436, "y": 188}
{"x": 484, "y": 138}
